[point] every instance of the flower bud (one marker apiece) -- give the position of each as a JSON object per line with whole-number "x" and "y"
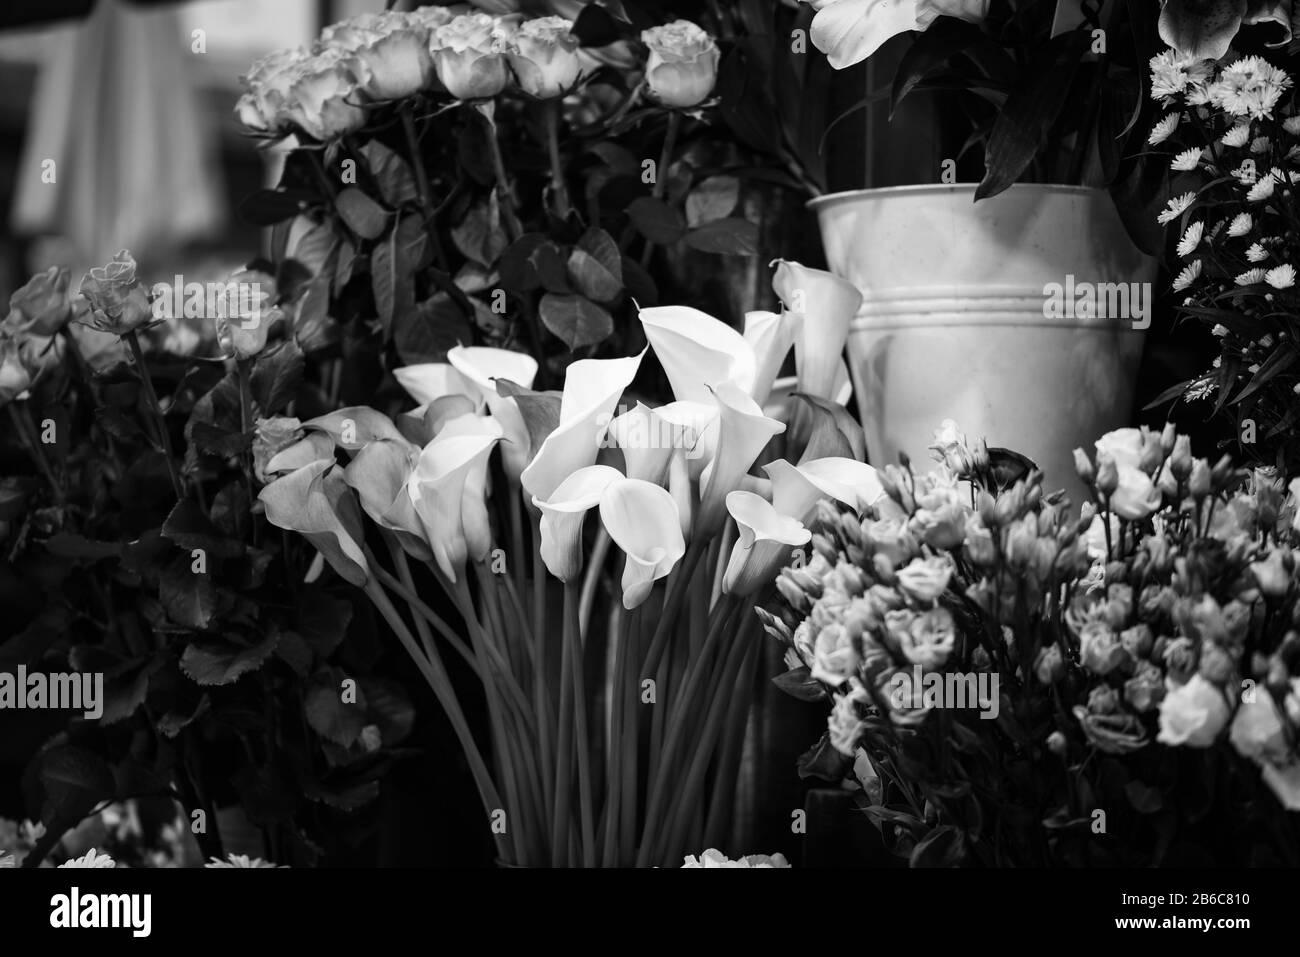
{"x": 1083, "y": 466}
{"x": 1168, "y": 437}
{"x": 1180, "y": 459}
{"x": 1107, "y": 473}
{"x": 42, "y": 307}
{"x": 1049, "y": 666}
{"x": 119, "y": 302}
{"x": 1056, "y": 743}
{"x": 1199, "y": 482}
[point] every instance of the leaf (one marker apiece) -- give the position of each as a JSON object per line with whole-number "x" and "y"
{"x": 221, "y": 662}
{"x": 69, "y": 545}
{"x": 189, "y": 598}
{"x": 361, "y": 214}
{"x": 1022, "y": 125}
{"x": 591, "y": 278}
{"x": 392, "y": 271}
{"x": 190, "y": 528}
{"x": 1173, "y": 392}
{"x": 712, "y": 199}
{"x": 798, "y": 683}
{"x": 931, "y": 49}
{"x": 600, "y": 245}
{"x": 824, "y": 762}
{"x": 212, "y": 440}
{"x": 730, "y": 237}
{"x": 392, "y": 174}
{"x": 329, "y": 715}
{"x": 1144, "y": 798}
{"x": 74, "y": 780}
{"x": 323, "y": 619}
{"x": 597, "y": 27}
{"x": 942, "y": 847}
{"x": 479, "y": 235}
{"x": 575, "y": 320}
{"x": 540, "y": 410}
{"x": 1273, "y": 366}
{"x": 656, "y": 220}
{"x": 532, "y": 261}
{"x": 276, "y": 376}
{"x": 433, "y": 327}
{"x": 745, "y": 105}
{"x": 118, "y": 424}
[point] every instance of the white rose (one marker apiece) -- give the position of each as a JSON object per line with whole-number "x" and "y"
{"x": 683, "y": 64}
{"x": 1256, "y": 730}
{"x": 1136, "y": 497}
{"x": 1124, "y": 445}
{"x": 469, "y": 56}
{"x": 544, "y": 54}
{"x": 924, "y": 579}
{"x": 1192, "y": 714}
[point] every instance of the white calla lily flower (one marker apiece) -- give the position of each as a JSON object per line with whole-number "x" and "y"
{"x": 643, "y": 521}
{"x": 743, "y": 432}
{"x": 764, "y": 544}
{"x": 379, "y": 473}
{"x": 592, "y": 388}
{"x": 481, "y": 366}
{"x": 426, "y": 381}
{"x": 437, "y": 490}
{"x": 771, "y": 336}
{"x": 697, "y": 351}
{"x": 563, "y": 514}
{"x": 647, "y": 441}
{"x": 315, "y": 502}
{"x": 474, "y": 513}
{"x": 825, "y": 304}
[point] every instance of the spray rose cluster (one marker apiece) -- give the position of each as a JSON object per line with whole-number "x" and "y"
{"x": 1162, "y": 615}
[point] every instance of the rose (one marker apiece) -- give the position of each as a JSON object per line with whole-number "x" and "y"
{"x": 498, "y": 7}
{"x": 929, "y": 639}
{"x": 42, "y": 306}
{"x": 1180, "y": 659}
{"x": 1137, "y": 641}
{"x": 271, "y": 436}
{"x": 1100, "y": 650}
{"x": 1257, "y": 731}
{"x": 119, "y": 302}
{"x": 1271, "y": 574}
{"x": 40, "y": 354}
{"x": 14, "y": 377}
{"x": 924, "y": 579}
{"x": 544, "y": 54}
{"x": 890, "y": 538}
{"x": 321, "y": 98}
{"x": 1123, "y": 445}
{"x": 1117, "y": 733}
{"x": 469, "y": 56}
{"x": 1049, "y": 666}
{"x": 834, "y": 657}
{"x": 951, "y": 448}
{"x": 1146, "y": 688}
{"x": 243, "y": 337}
{"x": 1192, "y": 714}
{"x": 683, "y": 64}
{"x": 268, "y": 82}
{"x": 394, "y": 63}
{"x": 1136, "y": 496}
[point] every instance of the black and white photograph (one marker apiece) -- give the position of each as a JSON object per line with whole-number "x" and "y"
{"x": 808, "y": 435}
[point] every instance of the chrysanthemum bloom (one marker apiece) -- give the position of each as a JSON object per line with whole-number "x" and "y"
{"x": 1175, "y": 208}
{"x": 1163, "y": 129}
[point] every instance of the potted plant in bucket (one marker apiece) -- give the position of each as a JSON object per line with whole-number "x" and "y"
{"x": 987, "y": 301}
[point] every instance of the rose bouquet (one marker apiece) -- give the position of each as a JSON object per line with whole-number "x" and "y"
{"x": 1015, "y": 683}
{"x": 615, "y": 734}
{"x": 1234, "y": 142}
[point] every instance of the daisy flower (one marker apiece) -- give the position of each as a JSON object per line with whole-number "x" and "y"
{"x": 1163, "y": 129}
{"x": 91, "y": 858}
{"x": 1239, "y": 135}
{"x": 1200, "y": 390}
{"x": 240, "y": 860}
{"x": 1191, "y": 239}
{"x": 1292, "y": 125}
{"x": 1262, "y": 190}
{"x": 1240, "y": 224}
{"x": 1172, "y": 71}
{"x": 1188, "y": 276}
{"x": 1256, "y": 253}
{"x": 1186, "y": 160}
{"x": 1250, "y": 87}
{"x": 1281, "y": 277}
{"x": 1250, "y": 277}
{"x": 1176, "y": 207}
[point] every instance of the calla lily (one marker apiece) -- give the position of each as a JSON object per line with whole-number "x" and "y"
{"x": 315, "y": 447}
{"x": 563, "y": 514}
{"x": 642, "y": 520}
{"x": 647, "y": 441}
{"x": 743, "y": 431}
{"x": 825, "y": 305}
{"x": 474, "y": 513}
{"x": 592, "y": 388}
{"x": 316, "y": 502}
{"x": 481, "y": 367}
{"x": 764, "y": 544}
{"x": 437, "y": 488}
{"x": 771, "y": 336}
{"x": 681, "y": 489}
{"x": 379, "y": 473}
{"x": 422, "y": 425}
{"x": 697, "y": 423}
{"x": 352, "y": 428}
{"x": 849, "y": 31}
{"x": 427, "y": 381}
{"x": 697, "y": 351}
{"x": 854, "y": 483}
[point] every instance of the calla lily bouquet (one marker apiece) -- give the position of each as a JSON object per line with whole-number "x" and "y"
{"x": 1017, "y": 683}
{"x": 615, "y": 734}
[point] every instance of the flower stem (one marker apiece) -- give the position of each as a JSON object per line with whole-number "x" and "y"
{"x": 504, "y": 193}
{"x": 558, "y": 184}
{"x": 246, "y": 426}
{"x": 25, "y": 427}
{"x": 164, "y": 437}
{"x": 422, "y": 189}
{"x": 661, "y": 173}
{"x": 573, "y": 642}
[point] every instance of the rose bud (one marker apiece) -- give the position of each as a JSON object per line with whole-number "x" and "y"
{"x": 1180, "y": 460}
{"x": 1084, "y": 467}
{"x": 544, "y": 54}
{"x": 1199, "y": 483}
{"x": 42, "y": 306}
{"x": 469, "y": 56}
{"x": 683, "y": 64}
{"x": 14, "y": 378}
{"x": 119, "y": 302}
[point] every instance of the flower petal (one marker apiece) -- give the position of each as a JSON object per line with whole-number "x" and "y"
{"x": 643, "y": 521}
{"x": 697, "y": 351}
